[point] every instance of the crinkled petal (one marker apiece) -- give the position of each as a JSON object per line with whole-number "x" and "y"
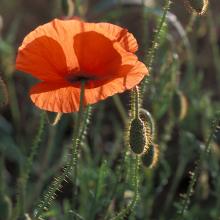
{"x": 100, "y": 58}
{"x": 55, "y": 97}
{"x": 115, "y": 34}
{"x": 132, "y": 76}
{"x": 63, "y": 97}
{"x": 47, "y": 52}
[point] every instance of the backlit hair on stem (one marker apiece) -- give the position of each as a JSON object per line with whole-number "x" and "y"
{"x": 55, "y": 120}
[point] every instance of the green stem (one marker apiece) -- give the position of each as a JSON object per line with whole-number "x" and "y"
{"x": 126, "y": 211}
{"x": 1, "y": 174}
{"x": 20, "y": 204}
{"x": 120, "y": 108}
{"x": 155, "y": 44}
{"x": 214, "y": 46}
{"x": 132, "y": 103}
{"x": 195, "y": 173}
{"x": 137, "y": 104}
{"x": 71, "y": 165}
{"x": 85, "y": 122}
{"x": 76, "y": 140}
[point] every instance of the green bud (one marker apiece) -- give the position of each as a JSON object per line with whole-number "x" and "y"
{"x": 137, "y": 136}
{"x": 150, "y": 157}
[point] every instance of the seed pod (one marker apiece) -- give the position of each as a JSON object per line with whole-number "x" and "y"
{"x": 5, "y": 207}
{"x": 137, "y": 136}
{"x": 180, "y": 105}
{"x": 150, "y": 157}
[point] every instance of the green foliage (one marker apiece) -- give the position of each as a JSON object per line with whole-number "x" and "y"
{"x": 5, "y": 208}
{"x": 93, "y": 174}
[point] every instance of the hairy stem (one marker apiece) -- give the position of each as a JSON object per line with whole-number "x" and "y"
{"x": 71, "y": 165}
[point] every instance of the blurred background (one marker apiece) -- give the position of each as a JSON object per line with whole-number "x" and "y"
{"x": 182, "y": 95}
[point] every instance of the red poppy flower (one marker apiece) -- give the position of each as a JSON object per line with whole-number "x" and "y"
{"x": 61, "y": 53}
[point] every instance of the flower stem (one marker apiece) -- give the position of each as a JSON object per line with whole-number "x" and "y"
{"x": 70, "y": 166}
{"x": 125, "y": 212}
{"x": 121, "y": 109}
{"x": 155, "y": 44}
{"x": 76, "y": 140}
{"x": 137, "y": 103}
{"x": 23, "y": 180}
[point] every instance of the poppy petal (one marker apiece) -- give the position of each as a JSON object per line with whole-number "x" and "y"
{"x": 116, "y": 34}
{"x": 63, "y": 97}
{"x": 55, "y": 97}
{"x": 64, "y": 52}
{"x": 47, "y": 52}
{"x": 101, "y": 58}
{"x": 42, "y": 58}
{"x": 132, "y": 76}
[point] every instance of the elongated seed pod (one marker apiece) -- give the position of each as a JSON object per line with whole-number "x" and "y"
{"x": 137, "y": 136}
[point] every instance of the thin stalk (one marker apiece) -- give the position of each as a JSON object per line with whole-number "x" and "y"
{"x": 71, "y": 165}
{"x": 120, "y": 108}
{"x": 214, "y": 46}
{"x": 132, "y": 103}
{"x": 85, "y": 122}
{"x": 76, "y": 141}
{"x": 20, "y": 205}
{"x": 127, "y": 211}
{"x": 195, "y": 174}
{"x": 1, "y": 174}
{"x": 137, "y": 104}
{"x": 155, "y": 44}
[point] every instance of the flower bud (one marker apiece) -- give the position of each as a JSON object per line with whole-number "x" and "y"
{"x": 150, "y": 157}
{"x": 137, "y": 136}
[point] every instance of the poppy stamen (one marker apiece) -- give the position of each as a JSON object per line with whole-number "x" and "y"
{"x": 79, "y": 78}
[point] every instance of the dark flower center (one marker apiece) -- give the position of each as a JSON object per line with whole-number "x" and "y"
{"x": 79, "y": 78}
